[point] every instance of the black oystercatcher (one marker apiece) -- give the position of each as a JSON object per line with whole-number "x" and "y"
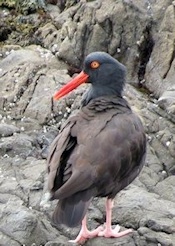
{"x": 99, "y": 151}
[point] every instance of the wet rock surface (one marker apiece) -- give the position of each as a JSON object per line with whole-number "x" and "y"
{"x": 34, "y": 63}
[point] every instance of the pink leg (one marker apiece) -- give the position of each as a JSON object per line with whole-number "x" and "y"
{"x": 108, "y": 231}
{"x": 85, "y": 234}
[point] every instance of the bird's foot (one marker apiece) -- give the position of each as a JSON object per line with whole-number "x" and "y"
{"x": 86, "y": 234}
{"x": 109, "y": 232}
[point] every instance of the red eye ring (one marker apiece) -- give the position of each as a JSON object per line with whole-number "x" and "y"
{"x": 95, "y": 64}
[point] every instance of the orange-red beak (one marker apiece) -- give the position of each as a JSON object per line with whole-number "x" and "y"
{"x": 74, "y": 83}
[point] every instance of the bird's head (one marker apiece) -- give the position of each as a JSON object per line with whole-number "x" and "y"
{"x": 101, "y": 70}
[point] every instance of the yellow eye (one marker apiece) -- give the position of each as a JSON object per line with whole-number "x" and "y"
{"x": 95, "y": 64}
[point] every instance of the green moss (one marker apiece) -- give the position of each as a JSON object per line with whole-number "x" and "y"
{"x": 8, "y": 3}
{"x": 70, "y": 3}
{"x": 19, "y": 31}
{"x": 29, "y": 6}
{"x": 24, "y": 6}
{"x": 20, "y": 28}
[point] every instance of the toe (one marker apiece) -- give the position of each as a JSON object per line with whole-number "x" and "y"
{"x": 85, "y": 235}
{"x": 80, "y": 240}
{"x": 107, "y": 232}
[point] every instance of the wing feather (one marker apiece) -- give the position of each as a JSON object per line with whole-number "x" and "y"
{"x": 97, "y": 153}
{"x": 61, "y": 144}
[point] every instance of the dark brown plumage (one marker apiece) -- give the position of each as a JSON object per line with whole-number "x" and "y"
{"x": 98, "y": 152}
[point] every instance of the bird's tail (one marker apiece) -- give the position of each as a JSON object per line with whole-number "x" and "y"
{"x": 70, "y": 211}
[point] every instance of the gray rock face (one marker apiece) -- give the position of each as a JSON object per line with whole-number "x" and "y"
{"x": 141, "y": 35}
{"x": 25, "y": 73}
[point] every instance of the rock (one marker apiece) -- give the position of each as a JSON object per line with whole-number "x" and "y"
{"x": 45, "y": 140}
{"x": 8, "y": 130}
{"x": 159, "y": 71}
{"x": 158, "y": 217}
{"x": 27, "y": 90}
{"x": 21, "y": 145}
{"x": 94, "y": 25}
{"x": 31, "y": 6}
{"x": 8, "y": 3}
{"x": 59, "y": 242}
{"x": 24, "y": 225}
{"x": 166, "y": 189}
{"x": 166, "y": 101}
{"x": 159, "y": 239}
{"x": 6, "y": 49}
{"x": 141, "y": 35}
{"x": 119, "y": 242}
{"x": 21, "y": 191}
{"x": 4, "y": 33}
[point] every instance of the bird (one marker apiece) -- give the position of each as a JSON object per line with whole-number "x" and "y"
{"x": 99, "y": 150}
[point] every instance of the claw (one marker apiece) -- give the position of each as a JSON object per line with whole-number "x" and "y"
{"x": 109, "y": 232}
{"x": 101, "y": 231}
{"x": 85, "y": 234}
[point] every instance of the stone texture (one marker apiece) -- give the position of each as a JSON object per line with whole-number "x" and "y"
{"x": 141, "y": 35}
{"x": 7, "y": 130}
{"x": 98, "y": 25}
{"x": 29, "y": 72}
